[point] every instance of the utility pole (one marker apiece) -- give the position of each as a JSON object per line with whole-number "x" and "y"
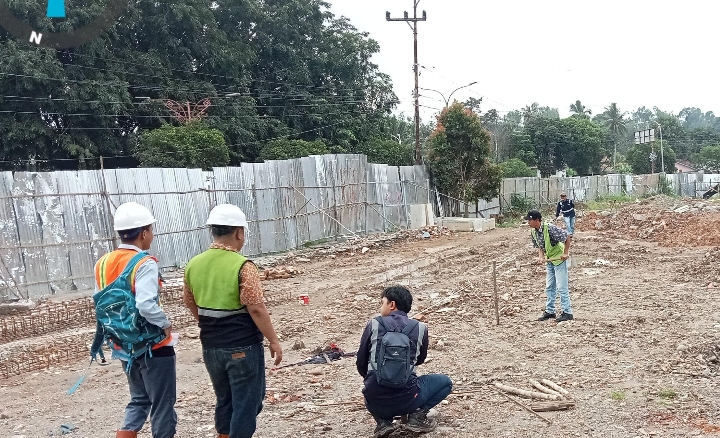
{"x": 416, "y": 68}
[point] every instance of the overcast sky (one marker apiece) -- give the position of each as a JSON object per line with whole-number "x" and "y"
{"x": 633, "y": 52}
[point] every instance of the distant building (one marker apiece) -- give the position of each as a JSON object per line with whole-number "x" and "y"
{"x": 683, "y": 166}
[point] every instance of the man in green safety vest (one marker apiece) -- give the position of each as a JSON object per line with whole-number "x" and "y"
{"x": 553, "y": 244}
{"x": 223, "y": 292}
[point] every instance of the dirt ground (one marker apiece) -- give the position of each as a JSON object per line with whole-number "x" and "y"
{"x": 640, "y": 359}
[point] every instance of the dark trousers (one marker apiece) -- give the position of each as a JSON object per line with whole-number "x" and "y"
{"x": 152, "y": 391}
{"x": 238, "y": 377}
{"x": 432, "y": 389}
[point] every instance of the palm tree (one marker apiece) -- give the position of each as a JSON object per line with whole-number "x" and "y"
{"x": 579, "y": 111}
{"x": 614, "y": 121}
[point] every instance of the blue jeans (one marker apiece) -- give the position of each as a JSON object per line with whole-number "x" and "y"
{"x": 152, "y": 391}
{"x": 432, "y": 389}
{"x": 569, "y": 224}
{"x": 238, "y": 378}
{"x": 556, "y": 281}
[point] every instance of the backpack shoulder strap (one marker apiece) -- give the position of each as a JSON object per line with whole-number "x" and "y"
{"x": 379, "y": 319}
{"x": 410, "y": 327}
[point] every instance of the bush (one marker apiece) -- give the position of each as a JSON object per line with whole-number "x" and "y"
{"x": 194, "y": 145}
{"x": 516, "y": 168}
{"x": 284, "y": 149}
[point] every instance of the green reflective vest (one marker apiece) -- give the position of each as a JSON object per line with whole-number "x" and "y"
{"x": 551, "y": 252}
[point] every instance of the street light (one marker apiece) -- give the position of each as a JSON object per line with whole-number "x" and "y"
{"x": 447, "y": 101}
{"x": 662, "y": 155}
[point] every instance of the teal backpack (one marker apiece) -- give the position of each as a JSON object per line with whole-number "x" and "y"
{"x": 119, "y": 318}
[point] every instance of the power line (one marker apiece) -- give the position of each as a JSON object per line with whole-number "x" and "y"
{"x": 239, "y": 79}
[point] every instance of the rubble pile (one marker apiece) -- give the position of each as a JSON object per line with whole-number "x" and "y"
{"x": 670, "y": 222}
{"x": 279, "y": 272}
{"x": 703, "y": 271}
{"x": 698, "y": 360}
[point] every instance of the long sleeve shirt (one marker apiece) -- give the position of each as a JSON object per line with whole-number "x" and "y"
{"x": 376, "y": 394}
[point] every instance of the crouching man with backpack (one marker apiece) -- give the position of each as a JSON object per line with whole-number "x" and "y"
{"x": 131, "y": 321}
{"x": 391, "y": 346}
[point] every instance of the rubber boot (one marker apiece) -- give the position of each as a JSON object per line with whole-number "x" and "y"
{"x": 126, "y": 434}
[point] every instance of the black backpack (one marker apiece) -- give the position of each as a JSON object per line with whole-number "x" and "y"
{"x": 396, "y": 358}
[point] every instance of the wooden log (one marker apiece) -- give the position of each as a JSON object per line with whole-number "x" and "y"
{"x": 555, "y": 386}
{"x": 544, "y": 389}
{"x": 524, "y": 393}
{"x": 522, "y": 405}
{"x": 552, "y": 406}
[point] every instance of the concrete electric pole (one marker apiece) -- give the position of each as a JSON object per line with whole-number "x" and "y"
{"x": 416, "y": 68}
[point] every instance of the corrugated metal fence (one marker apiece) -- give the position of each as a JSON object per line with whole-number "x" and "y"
{"x": 546, "y": 191}
{"x": 55, "y": 225}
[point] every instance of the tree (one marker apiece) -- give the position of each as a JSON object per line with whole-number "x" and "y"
{"x": 573, "y": 142}
{"x": 389, "y": 152}
{"x": 584, "y": 149}
{"x": 459, "y": 156}
{"x": 313, "y": 80}
{"x": 284, "y": 149}
{"x": 708, "y": 159}
{"x": 516, "y": 168}
{"x": 638, "y": 157}
{"x": 614, "y": 121}
{"x": 579, "y": 111}
{"x": 194, "y": 145}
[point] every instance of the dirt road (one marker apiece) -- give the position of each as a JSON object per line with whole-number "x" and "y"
{"x": 637, "y": 359}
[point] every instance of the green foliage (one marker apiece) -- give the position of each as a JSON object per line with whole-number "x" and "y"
{"x": 516, "y": 168}
{"x": 519, "y": 204}
{"x": 708, "y": 159}
{"x": 284, "y": 149}
{"x": 459, "y": 156}
{"x": 388, "y": 152}
{"x": 667, "y": 394}
{"x": 664, "y": 186}
{"x": 623, "y": 168}
{"x": 573, "y": 142}
{"x": 194, "y": 145}
{"x": 570, "y": 172}
{"x": 579, "y": 111}
{"x": 618, "y": 395}
{"x": 638, "y": 157}
{"x": 312, "y": 80}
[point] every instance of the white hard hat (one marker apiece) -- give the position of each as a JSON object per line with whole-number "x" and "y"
{"x": 228, "y": 215}
{"x": 132, "y": 215}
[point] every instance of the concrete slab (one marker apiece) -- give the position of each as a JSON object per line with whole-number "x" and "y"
{"x": 468, "y": 224}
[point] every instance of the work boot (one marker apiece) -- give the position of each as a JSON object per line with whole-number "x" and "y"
{"x": 419, "y": 422}
{"x": 383, "y": 428}
{"x": 126, "y": 434}
{"x": 546, "y": 316}
{"x": 565, "y": 317}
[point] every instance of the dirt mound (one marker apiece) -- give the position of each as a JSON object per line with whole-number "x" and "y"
{"x": 704, "y": 271}
{"x": 669, "y": 222}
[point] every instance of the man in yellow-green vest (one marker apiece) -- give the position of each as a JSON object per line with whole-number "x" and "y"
{"x": 223, "y": 291}
{"x": 553, "y": 244}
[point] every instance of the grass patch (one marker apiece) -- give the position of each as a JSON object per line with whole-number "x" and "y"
{"x": 609, "y": 202}
{"x": 667, "y": 394}
{"x": 618, "y": 395}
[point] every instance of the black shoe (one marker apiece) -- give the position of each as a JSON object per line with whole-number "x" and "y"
{"x": 419, "y": 422}
{"x": 564, "y": 317}
{"x": 383, "y": 428}
{"x": 546, "y": 316}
